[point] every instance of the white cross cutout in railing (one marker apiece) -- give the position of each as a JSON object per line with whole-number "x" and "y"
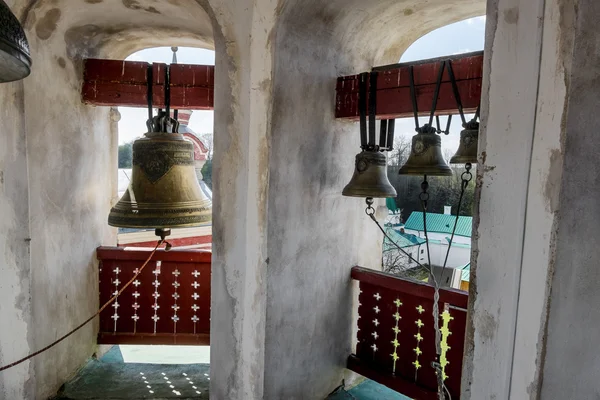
{"x": 176, "y": 272}
{"x": 136, "y": 294}
{"x": 195, "y": 296}
{"x": 116, "y": 305}
{"x": 175, "y": 296}
{"x": 195, "y": 319}
{"x": 135, "y": 317}
{"x": 155, "y": 307}
{"x": 374, "y": 347}
{"x": 156, "y": 284}
{"x": 155, "y": 318}
{"x": 156, "y": 295}
{"x": 135, "y": 306}
{"x": 196, "y": 274}
{"x": 156, "y": 271}
{"x": 377, "y": 296}
{"x": 115, "y": 317}
{"x": 175, "y": 318}
{"x": 135, "y": 271}
{"x": 116, "y": 282}
{"x": 175, "y": 307}
{"x": 376, "y": 322}
{"x": 176, "y": 284}
{"x": 195, "y": 308}
{"x": 376, "y": 309}
{"x": 375, "y": 335}
{"x": 136, "y": 283}
{"x": 117, "y": 270}
{"x": 195, "y": 285}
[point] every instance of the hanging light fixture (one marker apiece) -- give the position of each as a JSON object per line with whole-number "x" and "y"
{"x": 15, "y": 60}
{"x": 426, "y": 151}
{"x": 164, "y": 192}
{"x": 469, "y": 136}
{"x": 370, "y": 172}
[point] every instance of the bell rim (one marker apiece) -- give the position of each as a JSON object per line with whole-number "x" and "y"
{"x": 367, "y": 194}
{"x": 130, "y": 221}
{"x": 14, "y": 46}
{"x": 463, "y": 160}
{"x": 20, "y": 62}
{"x": 418, "y": 171}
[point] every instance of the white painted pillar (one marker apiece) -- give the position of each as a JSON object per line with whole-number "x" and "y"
{"x": 521, "y": 151}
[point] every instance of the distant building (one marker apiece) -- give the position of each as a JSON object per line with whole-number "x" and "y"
{"x": 439, "y": 231}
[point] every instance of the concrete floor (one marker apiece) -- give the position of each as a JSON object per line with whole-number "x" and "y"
{"x": 170, "y": 372}
{"x": 115, "y": 377}
{"x": 367, "y": 390}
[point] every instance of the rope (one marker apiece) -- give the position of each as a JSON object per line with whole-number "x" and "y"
{"x": 57, "y": 341}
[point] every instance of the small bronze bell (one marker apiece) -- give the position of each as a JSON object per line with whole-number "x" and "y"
{"x": 370, "y": 177}
{"x": 467, "y": 149}
{"x": 164, "y": 190}
{"x": 426, "y": 155}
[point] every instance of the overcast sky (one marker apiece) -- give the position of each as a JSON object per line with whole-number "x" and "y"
{"x": 460, "y": 37}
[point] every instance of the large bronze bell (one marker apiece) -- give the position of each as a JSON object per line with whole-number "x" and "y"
{"x": 426, "y": 155}
{"x": 15, "y": 59}
{"x": 164, "y": 190}
{"x": 467, "y": 149}
{"x": 370, "y": 177}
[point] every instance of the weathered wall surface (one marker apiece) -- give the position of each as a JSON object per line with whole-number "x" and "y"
{"x": 572, "y": 356}
{"x": 519, "y": 181}
{"x": 58, "y": 162}
{"x": 16, "y": 334}
{"x": 70, "y": 179}
{"x": 315, "y": 235}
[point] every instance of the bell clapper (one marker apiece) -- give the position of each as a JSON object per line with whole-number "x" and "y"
{"x": 162, "y": 233}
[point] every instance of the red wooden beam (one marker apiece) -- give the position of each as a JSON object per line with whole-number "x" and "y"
{"x": 118, "y": 253}
{"x": 124, "y": 83}
{"x": 393, "y": 88}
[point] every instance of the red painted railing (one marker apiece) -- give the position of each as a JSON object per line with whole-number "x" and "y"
{"x": 396, "y": 338}
{"x": 169, "y": 302}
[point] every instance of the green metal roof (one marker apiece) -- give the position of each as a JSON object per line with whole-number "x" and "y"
{"x": 401, "y": 239}
{"x": 440, "y": 223}
{"x": 466, "y": 272}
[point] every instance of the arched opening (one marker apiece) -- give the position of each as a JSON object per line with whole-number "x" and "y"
{"x": 195, "y": 125}
{"x": 404, "y": 221}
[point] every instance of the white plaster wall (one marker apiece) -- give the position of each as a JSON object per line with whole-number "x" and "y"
{"x": 70, "y": 164}
{"x": 515, "y": 225}
{"x": 570, "y": 368}
{"x": 16, "y": 332}
{"x": 58, "y": 162}
{"x": 315, "y": 235}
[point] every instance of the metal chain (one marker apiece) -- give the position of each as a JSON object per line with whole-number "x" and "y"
{"x": 466, "y": 177}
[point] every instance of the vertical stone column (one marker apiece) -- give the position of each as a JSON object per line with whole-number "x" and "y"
{"x": 244, "y": 57}
{"x": 16, "y": 335}
{"x": 524, "y": 103}
{"x": 571, "y": 354}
